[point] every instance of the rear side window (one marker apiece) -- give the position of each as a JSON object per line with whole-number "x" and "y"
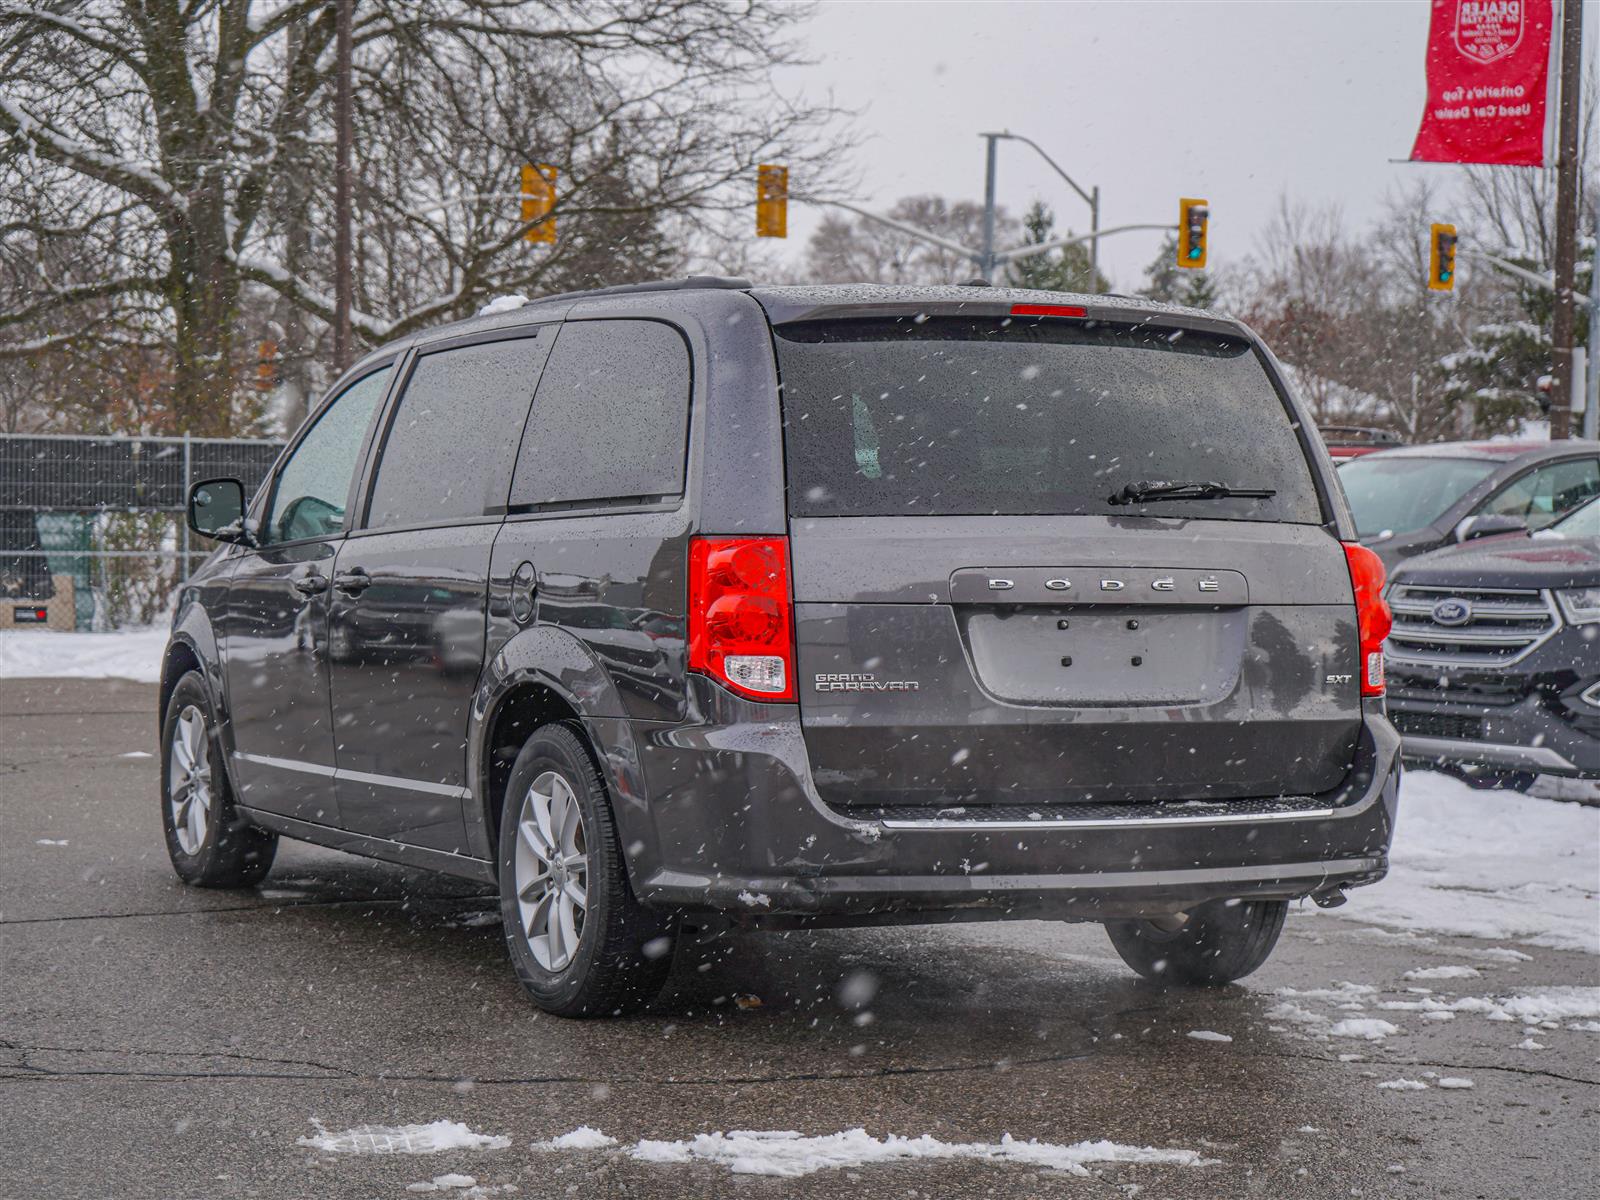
{"x": 454, "y": 433}
{"x": 611, "y": 421}
{"x": 975, "y": 416}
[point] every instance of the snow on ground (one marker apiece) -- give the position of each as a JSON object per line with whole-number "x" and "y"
{"x": 47, "y": 653}
{"x": 789, "y": 1154}
{"x": 1488, "y": 864}
{"x": 402, "y": 1139}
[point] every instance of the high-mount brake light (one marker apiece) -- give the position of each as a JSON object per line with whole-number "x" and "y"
{"x": 1373, "y": 618}
{"x": 1048, "y": 310}
{"x": 741, "y": 617}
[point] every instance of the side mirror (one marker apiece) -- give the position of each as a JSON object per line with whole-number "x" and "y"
{"x": 1488, "y": 525}
{"x": 216, "y": 510}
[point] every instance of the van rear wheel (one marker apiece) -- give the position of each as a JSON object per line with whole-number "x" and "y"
{"x": 1210, "y": 945}
{"x": 582, "y": 945}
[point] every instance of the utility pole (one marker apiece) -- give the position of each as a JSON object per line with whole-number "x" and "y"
{"x": 1567, "y": 185}
{"x": 1091, "y": 198}
{"x": 294, "y": 353}
{"x": 1591, "y": 408}
{"x": 344, "y": 20}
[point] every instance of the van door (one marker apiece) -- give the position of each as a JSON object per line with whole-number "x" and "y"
{"x": 987, "y": 617}
{"x": 597, "y": 537}
{"x": 274, "y": 626}
{"x": 409, "y": 588}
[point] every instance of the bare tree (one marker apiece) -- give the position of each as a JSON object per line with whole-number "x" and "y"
{"x": 850, "y": 249}
{"x": 181, "y": 153}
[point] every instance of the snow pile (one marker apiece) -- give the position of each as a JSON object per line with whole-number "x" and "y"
{"x": 46, "y": 653}
{"x": 441, "y": 1183}
{"x": 1489, "y": 864}
{"x": 1449, "y": 972}
{"x": 432, "y": 1138}
{"x": 1206, "y": 1035}
{"x": 1546, "y": 1006}
{"x": 502, "y": 304}
{"x": 1369, "y": 1029}
{"x": 1404, "y": 1085}
{"x": 581, "y": 1138}
{"x": 791, "y": 1154}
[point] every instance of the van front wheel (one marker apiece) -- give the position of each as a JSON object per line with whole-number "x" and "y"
{"x": 1210, "y": 945}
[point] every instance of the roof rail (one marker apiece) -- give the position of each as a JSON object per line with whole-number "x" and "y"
{"x": 686, "y": 284}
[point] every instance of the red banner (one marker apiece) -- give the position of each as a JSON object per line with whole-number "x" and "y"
{"x": 1488, "y": 70}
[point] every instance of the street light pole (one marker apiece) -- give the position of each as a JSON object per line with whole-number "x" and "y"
{"x": 986, "y": 266}
{"x": 1094, "y": 246}
{"x": 1091, "y": 198}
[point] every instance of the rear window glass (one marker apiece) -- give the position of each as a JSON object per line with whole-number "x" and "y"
{"x": 962, "y": 416}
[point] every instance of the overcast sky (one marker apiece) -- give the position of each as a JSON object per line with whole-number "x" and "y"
{"x": 1234, "y": 102}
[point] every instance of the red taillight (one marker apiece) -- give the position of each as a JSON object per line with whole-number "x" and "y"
{"x": 1048, "y": 310}
{"x": 741, "y": 620}
{"x": 1373, "y": 618}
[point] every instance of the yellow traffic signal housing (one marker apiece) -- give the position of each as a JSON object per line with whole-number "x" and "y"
{"x": 772, "y": 200}
{"x": 1442, "y": 258}
{"x": 1193, "y": 216}
{"x": 538, "y": 198}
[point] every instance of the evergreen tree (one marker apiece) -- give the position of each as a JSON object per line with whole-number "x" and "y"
{"x": 1164, "y": 280}
{"x": 1069, "y": 269}
{"x": 1499, "y": 371}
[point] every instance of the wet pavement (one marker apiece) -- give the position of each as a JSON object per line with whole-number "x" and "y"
{"x": 157, "y": 1041}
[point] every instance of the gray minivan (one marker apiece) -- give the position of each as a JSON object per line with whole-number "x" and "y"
{"x": 702, "y": 601}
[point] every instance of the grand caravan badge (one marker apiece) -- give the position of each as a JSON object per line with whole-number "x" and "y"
{"x": 856, "y": 682}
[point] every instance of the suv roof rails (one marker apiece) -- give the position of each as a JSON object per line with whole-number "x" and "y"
{"x": 688, "y": 283}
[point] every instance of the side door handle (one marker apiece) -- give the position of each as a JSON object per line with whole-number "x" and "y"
{"x": 352, "y": 582}
{"x": 311, "y": 585}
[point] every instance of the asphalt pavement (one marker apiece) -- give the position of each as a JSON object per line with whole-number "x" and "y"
{"x": 157, "y": 1041}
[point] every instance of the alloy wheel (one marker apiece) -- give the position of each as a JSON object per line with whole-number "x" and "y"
{"x": 189, "y": 780}
{"x": 552, "y": 871}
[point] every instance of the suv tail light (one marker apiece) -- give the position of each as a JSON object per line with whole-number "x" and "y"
{"x": 741, "y": 619}
{"x": 1373, "y": 618}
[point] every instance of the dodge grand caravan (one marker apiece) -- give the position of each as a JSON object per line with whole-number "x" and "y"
{"x": 798, "y": 605}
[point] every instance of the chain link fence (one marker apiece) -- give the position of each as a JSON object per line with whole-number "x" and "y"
{"x": 92, "y": 530}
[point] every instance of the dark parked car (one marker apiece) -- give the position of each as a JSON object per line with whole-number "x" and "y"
{"x": 1495, "y": 655}
{"x": 799, "y": 605}
{"x": 1416, "y": 499}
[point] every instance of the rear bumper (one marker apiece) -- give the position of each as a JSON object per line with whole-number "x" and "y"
{"x": 737, "y": 827}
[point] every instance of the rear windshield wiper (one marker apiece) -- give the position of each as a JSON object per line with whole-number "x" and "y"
{"x": 1146, "y": 490}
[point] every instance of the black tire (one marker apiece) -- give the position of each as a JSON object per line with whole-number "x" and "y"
{"x": 624, "y": 951}
{"x": 1514, "y": 781}
{"x": 223, "y": 850}
{"x": 1218, "y": 943}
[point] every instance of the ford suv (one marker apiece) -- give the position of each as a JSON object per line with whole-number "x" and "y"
{"x": 703, "y": 601}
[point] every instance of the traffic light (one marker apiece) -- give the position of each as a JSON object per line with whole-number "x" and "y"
{"x": 772, "y": 200}
{"x": 1193, "y": 216}
{"x": 1442, "y": 258}
{"x": 538, "y": 198}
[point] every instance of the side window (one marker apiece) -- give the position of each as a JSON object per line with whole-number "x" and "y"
{"x": 611, "y": 420}
{"x": 454, "y": 434}
{"x": 313, "y": 485}
{"x": 1546, "y": 494}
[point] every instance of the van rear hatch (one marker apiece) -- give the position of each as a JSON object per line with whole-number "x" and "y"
{"x": 980, "y": 624}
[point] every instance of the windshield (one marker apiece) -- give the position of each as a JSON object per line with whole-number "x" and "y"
{"x": 978, "y": 416}
{"x": 1399, "y": 493}
{"x": 1580, "y": 523}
